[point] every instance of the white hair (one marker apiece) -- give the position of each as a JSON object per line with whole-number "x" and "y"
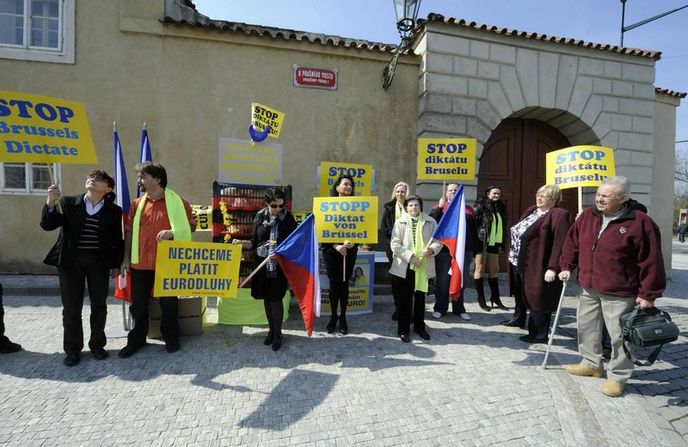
{"x": 620, "y": 182}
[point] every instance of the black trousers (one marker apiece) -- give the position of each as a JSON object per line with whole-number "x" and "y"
{"x": 410, "y": 301}
{"x": 2, "y": 319}
{"x": 339, "y": 295}
{"x": 73, "y": 278}
{"x": 520, "y": 309}
{"x": 442, "y": 266}
{"x": 538, "y": 323}
{"x": 142, "y": 282}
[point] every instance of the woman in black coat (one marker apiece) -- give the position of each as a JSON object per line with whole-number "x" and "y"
{"x": 271, "y": 226}
{"x": 89, "y": 250}
{"x": 393, "y": 210}
{"x": 490, "y": 219}
{"x": 334, "y": 256}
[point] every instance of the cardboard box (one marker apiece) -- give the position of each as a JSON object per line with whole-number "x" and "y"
{"x": 192, "y": 316}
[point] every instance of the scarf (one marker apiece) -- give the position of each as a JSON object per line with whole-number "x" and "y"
{"x": 417, "y": 246}
{"x": 495, "y": 229}
{"x": 176, "y": 213}
{"x": 398, "y": 211}
{"x": 273, "y": 225}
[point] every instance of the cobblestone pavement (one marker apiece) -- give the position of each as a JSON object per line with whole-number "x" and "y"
{"x": 474, "y": 383}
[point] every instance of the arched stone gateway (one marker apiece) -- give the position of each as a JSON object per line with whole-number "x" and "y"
{"x": 514, "y": 158}
{"x": 521, "y": 95}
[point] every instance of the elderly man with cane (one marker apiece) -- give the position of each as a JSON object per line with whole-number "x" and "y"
{"x": 619, "y": 259}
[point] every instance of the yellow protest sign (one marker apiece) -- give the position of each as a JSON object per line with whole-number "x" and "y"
{"x": 578, "y": 166}
{"x": 340, "y": 219}
{"x": 196, "y": 269}
{"x": 263, "y": 116}
{"x": 42, "y": 129}
{"x": 300, "y": 216}
{"x": 446, "y": 158}
{"x": 241, "y": 162}
{"x": 362, "y": 174}
{"x": 203, "y": 215}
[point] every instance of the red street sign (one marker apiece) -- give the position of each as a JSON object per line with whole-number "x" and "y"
{"x": 310, "y": 77}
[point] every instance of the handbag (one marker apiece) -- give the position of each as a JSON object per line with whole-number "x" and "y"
{"x": 648, "y": 327}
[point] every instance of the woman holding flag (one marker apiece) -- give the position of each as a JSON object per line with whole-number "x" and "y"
{"x": 413, "y": 264}
{"x": 271, "y": 227}
{"x": 340, "y": 260}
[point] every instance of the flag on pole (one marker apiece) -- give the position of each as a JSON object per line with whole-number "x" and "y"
{"x": 298, "y": 257}
{"x": 145, "y": 153}
{"x": 122, "y": 289}
{"x": 451, "y": 231}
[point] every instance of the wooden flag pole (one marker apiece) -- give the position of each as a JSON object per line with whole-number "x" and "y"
{"x": 52, "y": 181}
{"x": 260, "y": 266}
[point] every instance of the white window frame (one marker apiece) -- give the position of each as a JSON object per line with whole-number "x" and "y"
{"x": 63, "y": 54}
{"x": 28, "y": 187}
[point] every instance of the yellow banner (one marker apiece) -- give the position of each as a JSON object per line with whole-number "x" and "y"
{"x": 204, "y": 217}
{"x": 446, "y": 158}
{"x": 41, "y": 129}
{"x": 342, "y": 219}
{"x": 241, "y": 162}
{"x": 197, "y": 269}
{"x": 362, "y": 174}
{"x": 300, "y": 216}
{"x": 263, "y": 116}
{"x": 578, "y": 166}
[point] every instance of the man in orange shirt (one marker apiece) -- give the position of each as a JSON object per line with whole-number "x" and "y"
{"x": 160, "y": 214}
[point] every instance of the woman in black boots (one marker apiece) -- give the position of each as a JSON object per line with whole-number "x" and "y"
{"x": 271, "y": 226}
{"x": 490, "y": 218}
{"x": 335, "y": 255}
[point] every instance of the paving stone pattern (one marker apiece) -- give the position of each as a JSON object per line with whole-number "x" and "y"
{"x": 473, "y": 384}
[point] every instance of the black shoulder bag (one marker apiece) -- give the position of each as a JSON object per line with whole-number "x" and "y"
{"x": 649, "y": 327}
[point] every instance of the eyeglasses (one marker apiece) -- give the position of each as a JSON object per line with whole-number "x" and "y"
{"x": 274, "y": 205}
{"x": 95, "y": 178}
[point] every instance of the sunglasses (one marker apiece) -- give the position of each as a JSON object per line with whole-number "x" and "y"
{"x": 274, "y": 205}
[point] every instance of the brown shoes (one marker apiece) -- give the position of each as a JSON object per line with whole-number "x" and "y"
{"x": 612, "y": 388}
{"x": 583, "y": 370}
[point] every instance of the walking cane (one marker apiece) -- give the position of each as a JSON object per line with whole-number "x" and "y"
{"x": 554, "y": 326}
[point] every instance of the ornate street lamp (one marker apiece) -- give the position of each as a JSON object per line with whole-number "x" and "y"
{"x": 407, "y": 13}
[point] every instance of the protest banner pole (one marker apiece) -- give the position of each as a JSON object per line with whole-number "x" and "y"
{"x": 52, "y": 181}
{"x": 344, "y": 264}
{"x": 580, "y": 200}
{"x": 260, "y": 266}
{"x": 554, "y": 326}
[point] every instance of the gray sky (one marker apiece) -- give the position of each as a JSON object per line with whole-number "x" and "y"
{"x": 591, "y": 20}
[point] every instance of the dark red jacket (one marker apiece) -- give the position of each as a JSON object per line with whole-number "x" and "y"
{"x": 540, "y": 251}
{"x": 626, "y": 260}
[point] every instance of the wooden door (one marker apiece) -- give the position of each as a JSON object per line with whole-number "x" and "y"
{"x": 514, "y": 159}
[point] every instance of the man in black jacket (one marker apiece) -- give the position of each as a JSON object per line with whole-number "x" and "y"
{"x": 88, "y": 250}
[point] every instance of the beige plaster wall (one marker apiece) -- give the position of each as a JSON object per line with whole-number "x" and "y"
{"x": 194, "y": 86}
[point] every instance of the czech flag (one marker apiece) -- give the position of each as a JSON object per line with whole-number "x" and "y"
{"x": 451, "y": 231}
{"x": 122, "y": 289}
{"x": 145, "y": 153}
{"x": 298, "y": 257}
